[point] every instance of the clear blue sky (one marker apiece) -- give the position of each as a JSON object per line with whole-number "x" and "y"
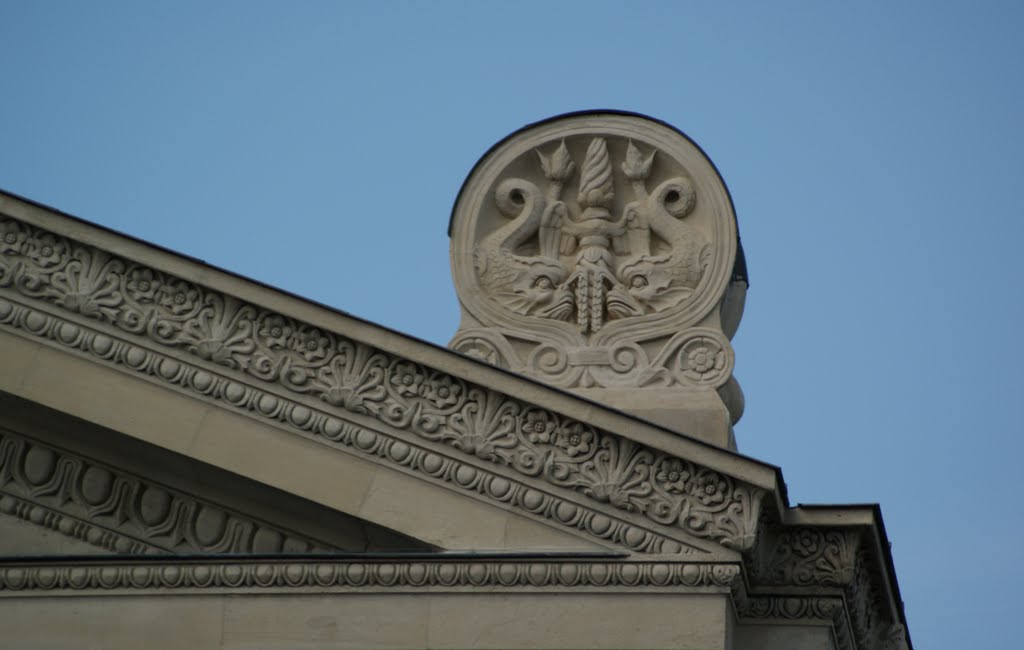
{"x": 873, "y": 150}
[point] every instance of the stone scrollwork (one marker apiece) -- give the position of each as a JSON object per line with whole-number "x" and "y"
{"x": 488, "y": 346}
{"x": 599, "y": 237}
{"x": 221, "y": 348}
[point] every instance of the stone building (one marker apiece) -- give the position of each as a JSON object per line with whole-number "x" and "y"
{"x": 190, "y": 459}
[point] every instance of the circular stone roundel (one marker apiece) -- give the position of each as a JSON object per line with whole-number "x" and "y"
{"x": 599, "y": 231}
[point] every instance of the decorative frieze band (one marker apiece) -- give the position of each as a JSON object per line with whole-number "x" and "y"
{"x": 123, "y": 513}
{"x": 300, "y": 363}
{"x": 356, "y": 439}
{"x": 790, "y": 608}
{"x": 808, "y": 556}
{"x": 327, "y": 575}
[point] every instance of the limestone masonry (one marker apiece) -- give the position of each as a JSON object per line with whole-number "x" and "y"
{"x": 597, "y": 253}
{"x": 189, "y": 459}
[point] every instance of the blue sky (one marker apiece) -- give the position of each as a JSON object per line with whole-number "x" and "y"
{"x": 873, "y": 151}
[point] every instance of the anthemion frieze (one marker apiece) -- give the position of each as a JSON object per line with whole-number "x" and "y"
{"x": 596, "y": 252}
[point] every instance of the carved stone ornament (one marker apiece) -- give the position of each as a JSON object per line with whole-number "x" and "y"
{"x": 168, "y": 328}
{"x": 594, "y": 250}
{"x": 115, "y": 510}
{"x": 345, "y": 575}
{"x": 807, "y": 555}
{"x": 365, "y": 400}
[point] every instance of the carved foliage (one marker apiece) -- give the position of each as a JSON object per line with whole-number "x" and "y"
{"x": 305, "y": 360}
{"x": 109, "y": 508}
{"x": 364, "y": 441}
{"x": 805, "y": 556}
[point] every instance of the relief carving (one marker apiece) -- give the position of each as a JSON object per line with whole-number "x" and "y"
{"x": 806, "y": 556}
{"x": 594, "y": 251}
{"x": 112, "y": 509}
{"x": 319, "y": 383}
{"x": 226, "y": 574}
{"x": 299, "y": 361}
{"x": 589, "y": 265}
{"x": 795, "y": 560}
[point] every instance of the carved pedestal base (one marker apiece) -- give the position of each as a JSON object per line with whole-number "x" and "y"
{"x": 701, "y": 414}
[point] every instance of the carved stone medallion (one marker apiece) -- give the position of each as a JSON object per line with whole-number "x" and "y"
{"x": 594, "y": 251}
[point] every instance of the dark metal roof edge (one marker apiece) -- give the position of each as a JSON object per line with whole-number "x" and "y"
{"x": 890, "y": 567}
{"x": 835, "y": 506}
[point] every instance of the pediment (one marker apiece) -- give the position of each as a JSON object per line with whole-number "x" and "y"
{"x": 70, "y": 487}
{"x": 150, "y": 403}
{"x": 222, "y": 370}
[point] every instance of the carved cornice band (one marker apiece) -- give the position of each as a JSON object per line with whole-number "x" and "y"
{"x": 327, "y": 575}
{"x": 808, "y": 556}
{"x": 276, "y": 368}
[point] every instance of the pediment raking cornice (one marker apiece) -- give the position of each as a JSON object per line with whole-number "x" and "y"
{"x": 363, "y": 399}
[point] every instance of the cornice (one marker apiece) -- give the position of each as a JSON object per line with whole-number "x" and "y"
{"x": 141, "y": 576}
{"x": 322, "y": 384}
{"x": 525, "y": 389}
{"x": 807, "y": 556}
{"x": 325, "y": 575}
{"x": 817, "y": 572}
